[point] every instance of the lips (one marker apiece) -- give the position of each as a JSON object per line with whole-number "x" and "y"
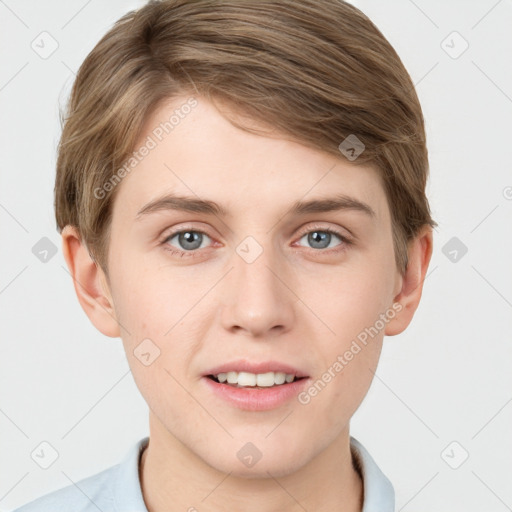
{"x": 254, "y": 398}
{"x": 244, "y": 365}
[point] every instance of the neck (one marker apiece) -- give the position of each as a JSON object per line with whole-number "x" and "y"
{"x": 173, "y": 478}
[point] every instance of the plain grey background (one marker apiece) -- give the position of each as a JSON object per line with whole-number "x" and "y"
{"x": 438, "y": 415}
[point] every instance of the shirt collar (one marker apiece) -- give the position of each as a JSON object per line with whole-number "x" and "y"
{"x": 378, "y": 492}
{"x": 127, "y": 487}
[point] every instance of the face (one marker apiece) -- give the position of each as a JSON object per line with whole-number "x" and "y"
{"x": 261, "y": 286}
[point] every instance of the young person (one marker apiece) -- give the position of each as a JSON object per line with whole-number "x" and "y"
{"x": 241, "y": 195}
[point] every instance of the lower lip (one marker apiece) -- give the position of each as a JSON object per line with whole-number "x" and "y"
{"x": 257, "y": 399}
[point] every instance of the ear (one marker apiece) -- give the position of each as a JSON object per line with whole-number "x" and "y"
{"x": 419, "y": 254}
{"x": 90, "y": 283}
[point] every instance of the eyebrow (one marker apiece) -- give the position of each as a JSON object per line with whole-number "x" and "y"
{"x": 208, "y": 207}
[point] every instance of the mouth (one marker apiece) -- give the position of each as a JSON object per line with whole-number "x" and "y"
{"x": 255, "y": 386}
{"x": 254, "y": 380}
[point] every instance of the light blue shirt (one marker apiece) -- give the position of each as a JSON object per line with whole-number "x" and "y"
{"x": 117, "y": 489}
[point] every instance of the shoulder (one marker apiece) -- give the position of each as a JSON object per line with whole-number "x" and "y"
{"x": 87, "y": 495}
{"x": 113, "y": 489}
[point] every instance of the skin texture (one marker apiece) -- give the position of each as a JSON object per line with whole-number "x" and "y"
{"x": 296, "y": 303}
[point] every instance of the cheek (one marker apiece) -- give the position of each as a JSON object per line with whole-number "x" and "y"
{"x": 349, "y": 337}
{"x": 351, "y": 299}
{"x": 159, "y": 321}
{"x": 145, "y": 303}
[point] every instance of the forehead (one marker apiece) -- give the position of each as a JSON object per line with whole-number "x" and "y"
{"x": 195, "y": 151}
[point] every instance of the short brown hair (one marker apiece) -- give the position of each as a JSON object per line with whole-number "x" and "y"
{"x": 315, "y": 70}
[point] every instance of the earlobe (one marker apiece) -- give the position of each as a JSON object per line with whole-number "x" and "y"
{"x": 420, "y": 252}
{"x": 90, "y": 283}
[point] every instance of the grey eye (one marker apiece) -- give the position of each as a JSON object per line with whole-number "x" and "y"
{"x": 319, "y": 239}
{"x": 188, "y": 240}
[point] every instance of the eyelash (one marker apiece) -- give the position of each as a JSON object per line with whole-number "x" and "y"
{"x": 191, "y": 254}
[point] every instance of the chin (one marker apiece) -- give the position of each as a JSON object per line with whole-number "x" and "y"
{"x": 273, "y": 465}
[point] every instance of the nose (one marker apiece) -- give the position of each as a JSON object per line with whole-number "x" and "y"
{"x": 258, "y": 300}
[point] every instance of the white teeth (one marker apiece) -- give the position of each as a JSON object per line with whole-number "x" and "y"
{"x": 264, "y": 380}
{"x": 279, "y": 377}
{"x": 246, "y": 379}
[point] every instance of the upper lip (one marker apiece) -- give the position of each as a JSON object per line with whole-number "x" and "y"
{"x": 244, "y": 365}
